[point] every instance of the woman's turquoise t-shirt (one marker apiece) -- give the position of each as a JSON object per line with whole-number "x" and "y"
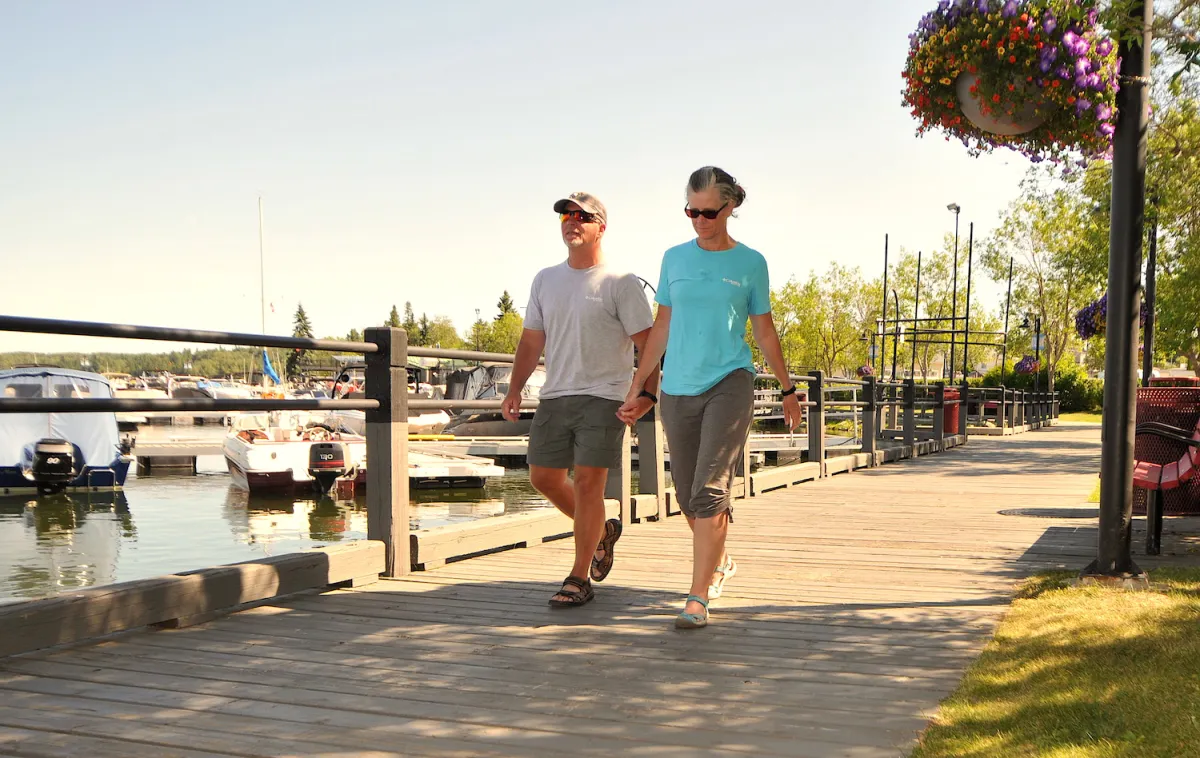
{"x": 710, "y": 294}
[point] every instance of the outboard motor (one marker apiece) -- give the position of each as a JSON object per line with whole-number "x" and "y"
{"x": 53, "y": 465}
{"x": 326, "y": 464}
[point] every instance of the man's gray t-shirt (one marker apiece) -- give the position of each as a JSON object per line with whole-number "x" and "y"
{"x": 588, "y": 316}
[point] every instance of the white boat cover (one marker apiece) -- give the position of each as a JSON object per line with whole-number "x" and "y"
{"x": 94, "y": 433}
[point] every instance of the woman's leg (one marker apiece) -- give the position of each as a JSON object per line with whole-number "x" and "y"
{"x": 724, "y": 423}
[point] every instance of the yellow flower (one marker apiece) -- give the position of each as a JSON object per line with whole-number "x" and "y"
{"x": 944, "y": 80}
{"x": 1000, "y": 51}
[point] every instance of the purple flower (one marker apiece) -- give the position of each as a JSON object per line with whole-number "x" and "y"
{"x": 982, "y": 6}
{"x": 1062, "y": 72}
{"x": 1092, "y": 15}
{"x": 1049, "y": 24}
{"x": 1106, "y": 130}
{"x": 1083, "y": 66}
{"x": 1082, "y": 104}
{"x": 1104, "y": 48}
{"x": 1103, "y": 112}
{"x": 1010, "y": 9}
{"x": 1081, "y": 81}
{"x": 1095, "y": 81}
{"x": 1070, "y": 39}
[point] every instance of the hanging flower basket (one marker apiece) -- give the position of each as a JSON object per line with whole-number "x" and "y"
{"x": 1027, "y": 365}
{"x": 1035, "y": 76}
{"x": 865, "y": 371}
{"x": 1092, "y": 319}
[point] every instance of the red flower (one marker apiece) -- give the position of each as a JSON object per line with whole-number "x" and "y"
{"x": 1012, "y": 59}
{"x": 995, "y": 98}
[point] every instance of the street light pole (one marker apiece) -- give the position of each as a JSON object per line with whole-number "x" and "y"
{"x": 953, "y": 208}
{"x": 1113, "y": 558}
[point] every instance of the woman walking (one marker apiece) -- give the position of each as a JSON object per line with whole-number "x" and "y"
{"x": 707, "y": 288}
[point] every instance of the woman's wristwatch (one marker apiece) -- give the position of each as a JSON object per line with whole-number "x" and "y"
{"x": 649, "y": 394}
{"x": 789, "y": 391}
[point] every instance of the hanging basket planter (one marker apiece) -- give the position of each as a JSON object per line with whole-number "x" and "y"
{"x": 1092, "y": 319}
{"x": 1035, "y": 76}
{"x": 1027, "y": 365}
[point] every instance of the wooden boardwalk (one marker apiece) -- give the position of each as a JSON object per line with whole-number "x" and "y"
{"x": 859, "y": 603}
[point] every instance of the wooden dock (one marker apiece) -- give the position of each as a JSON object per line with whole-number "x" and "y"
{"x": 860, "y": 600}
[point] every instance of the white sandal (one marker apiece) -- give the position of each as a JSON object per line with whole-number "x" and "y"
{"x": 726, "y": 570}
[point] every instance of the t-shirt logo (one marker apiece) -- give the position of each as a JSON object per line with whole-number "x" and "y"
{"x": 594, "y": 299}
{"x": 731, "y": 281}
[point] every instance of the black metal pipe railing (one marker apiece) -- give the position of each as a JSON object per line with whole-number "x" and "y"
{"x": 147, "y": 404}
{"x": 171, "y": 334}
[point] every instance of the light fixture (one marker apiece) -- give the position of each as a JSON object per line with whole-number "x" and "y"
{"x": 953, "y": 208}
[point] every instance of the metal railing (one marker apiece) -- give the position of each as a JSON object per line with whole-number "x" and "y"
{"x": 386, "y": 352}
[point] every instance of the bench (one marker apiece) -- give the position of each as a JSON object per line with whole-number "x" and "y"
{"x": 1157, "y": 478}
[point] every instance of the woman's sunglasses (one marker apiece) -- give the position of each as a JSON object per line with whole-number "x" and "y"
{"x": 708, "y": 214}
{"x": 582, "y": 217}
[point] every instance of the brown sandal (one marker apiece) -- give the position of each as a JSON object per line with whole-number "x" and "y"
{"x": 601, "y": 566}
{"x": 581, "y": 596}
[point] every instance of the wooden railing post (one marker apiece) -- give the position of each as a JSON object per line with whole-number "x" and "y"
{"x": 870, "y": 425}
{"x": 939, "y": 414}
{"x": 620, "y": 479}
{"x": 910, "y": 417}
{"x": 816, "y": 420}
{"x": 387, "y": 447}
{"x": 652, "y": 478}
{"x": 1002, "y": 410}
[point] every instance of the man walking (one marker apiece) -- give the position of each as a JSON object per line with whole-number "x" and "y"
{"x": 588, "y": 319}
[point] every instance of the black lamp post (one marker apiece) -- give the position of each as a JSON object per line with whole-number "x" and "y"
{"x": 953, "y": 208}
{"x": 1037, "y": 348}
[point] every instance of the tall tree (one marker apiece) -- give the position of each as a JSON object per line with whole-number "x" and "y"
{"x": 393, "y": 319}
{"x": 300, "y": 328}
{"x": 442, "y": 334}
{"x": 504, "y": 334}
{"x": 505, "y": 306}
{"x": 354, "y": 336}
{"x": 410, "y": 325}
{"x": 1045, "y": 233}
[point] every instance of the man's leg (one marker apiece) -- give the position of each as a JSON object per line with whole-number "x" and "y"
{"x": 589, "y": 515}
{"x": 554, "y": 484}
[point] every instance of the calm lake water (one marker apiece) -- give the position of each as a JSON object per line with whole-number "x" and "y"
{"x": 167, "y": 524}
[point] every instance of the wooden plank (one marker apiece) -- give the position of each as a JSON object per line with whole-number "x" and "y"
{"x": 99, "y": 611}
{"x": 766, "y": 480}
{"x": 31, "y": 743}
{"x": 436, "y": 545}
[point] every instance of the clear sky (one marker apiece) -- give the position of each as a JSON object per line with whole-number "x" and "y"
{"x": 412, "y": 150}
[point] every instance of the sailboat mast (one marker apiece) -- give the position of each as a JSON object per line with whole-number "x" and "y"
{"x": 262, "y": 281}
{"x": 262, "y": 284}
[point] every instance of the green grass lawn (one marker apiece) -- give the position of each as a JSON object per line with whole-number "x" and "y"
{"x": 1082, "y": 672}
{"x": 1090, "y": 417}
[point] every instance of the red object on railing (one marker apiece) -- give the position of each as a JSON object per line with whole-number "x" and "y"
{"x": 951, "y": 425}
{"x": 1163, "y": 463}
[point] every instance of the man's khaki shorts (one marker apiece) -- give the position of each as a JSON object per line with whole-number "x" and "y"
{"x": 576, "y": 430}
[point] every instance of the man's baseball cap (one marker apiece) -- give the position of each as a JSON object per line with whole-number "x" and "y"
{"x": 585, "y": 201}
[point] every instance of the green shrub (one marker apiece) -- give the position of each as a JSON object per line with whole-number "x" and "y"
{"x": 1078, "y": 393}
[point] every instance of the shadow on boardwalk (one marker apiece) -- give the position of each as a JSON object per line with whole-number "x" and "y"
{"x": 859, "y": 602}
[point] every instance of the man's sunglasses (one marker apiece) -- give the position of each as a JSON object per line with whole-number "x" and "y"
{"x": 708, "y": 214}
{"x": 582, "y": 217}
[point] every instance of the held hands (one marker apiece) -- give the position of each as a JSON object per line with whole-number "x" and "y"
{"x": 511, "y": 407}
{"x": 792, "y": 411}
{"x": 634, "y": 407}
